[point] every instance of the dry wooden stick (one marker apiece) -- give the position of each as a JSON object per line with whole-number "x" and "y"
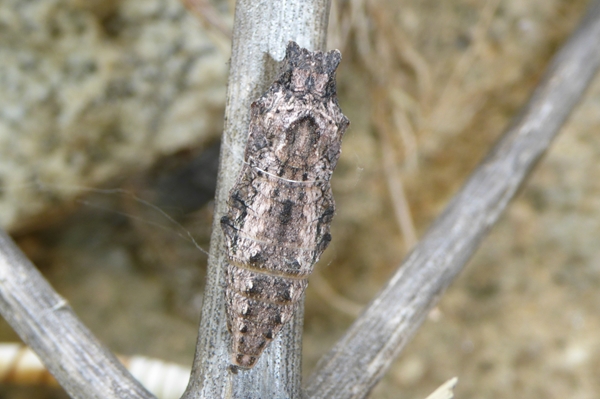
{"x": 262, "y": 30}
{"x": 367, "y": 349}
{"x": 45, "y": 322}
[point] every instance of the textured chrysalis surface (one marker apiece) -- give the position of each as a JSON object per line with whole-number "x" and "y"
{"x": 280, "y": 209}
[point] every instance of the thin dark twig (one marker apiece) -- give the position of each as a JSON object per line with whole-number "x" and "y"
{"x": 367, "y": 349}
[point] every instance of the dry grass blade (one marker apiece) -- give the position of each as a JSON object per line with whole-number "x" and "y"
{"x": 207, "y": 13}
{"x": 445, "y": 391}
{"x": 396, "y": 188}
{"x": 332, "y": 298}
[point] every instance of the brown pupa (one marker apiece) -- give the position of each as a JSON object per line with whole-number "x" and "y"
{"x": 280, "y": 209}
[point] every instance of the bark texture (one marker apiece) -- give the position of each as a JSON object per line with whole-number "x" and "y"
{"x": 262, "y": 30}
{"x": 281, "y": 206}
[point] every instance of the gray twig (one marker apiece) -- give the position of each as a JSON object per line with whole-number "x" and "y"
{"x": 46, "y": 323}
{"x": 364, "y": 353}
{"x": 262, "y": 30}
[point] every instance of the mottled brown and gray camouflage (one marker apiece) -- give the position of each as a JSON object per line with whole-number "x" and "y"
{"x": 281, "y": 206}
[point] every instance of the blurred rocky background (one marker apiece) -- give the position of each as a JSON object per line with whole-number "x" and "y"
{"x": 110, "y": 113}
{"x": 94, "y": 91}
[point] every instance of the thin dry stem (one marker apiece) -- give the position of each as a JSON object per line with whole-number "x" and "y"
{"x": 446, "y": 102}
{"x": 207, "y": 13}
{"x": 332, "y": 298}
{"x": 359, "y": 360}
